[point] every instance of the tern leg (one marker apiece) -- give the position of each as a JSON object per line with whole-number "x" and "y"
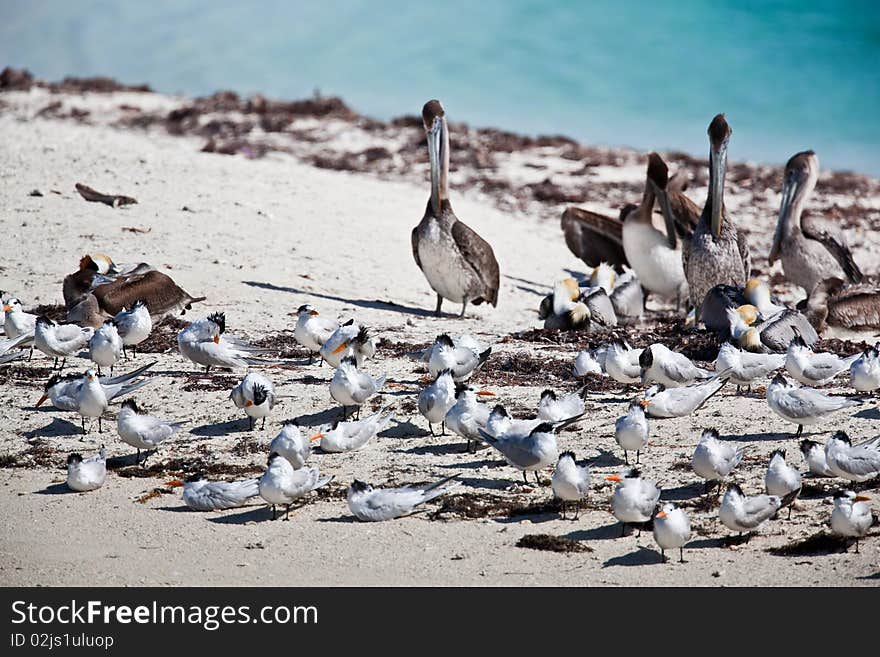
{"x": 82, "y": 419}
{"x": 638, "y": 455}
{"x": 321, "y": 364}
{"x": 563, "y": 509}
{"x": 799, "y": 431}
{"x": 344, "y": 413}
{"x": 681, "y": 554}
{"x": 431, "y": 429}
{"x": 439, "y": 303}
{"x": 625, "y": 457}
{"x": 55, "y": 364}
{"x": 577, "y": 509}
{"x": 622, "y": 529}
{"x": 857, "y": 546}
{"x": 134, "y": 350}
{"x": 537, "y": 478}
{"x": 524, "y": 477}
{"x": 100, "y": 430}
{"x": 99, "y": 370}
{"x": 274, "y": 515}
{"x": 31, "y": 354}
{"x": 63, "y": 363}
{"x": 263, "y": 426}
{"x": 463, "y": 308}
{"x": 789, "y": 511}
{"x": 287, "y": 513}
{"x": 443, "y": 428}
{"x": 250, "y": 423}
{"x": 663, "y": 554}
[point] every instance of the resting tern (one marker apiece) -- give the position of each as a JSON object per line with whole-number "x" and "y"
{"x": 281, "y": 484}
{"x": 375, "y": 504}
{"x": 814, "y": 457}
{"x": 351, "y": 436}
{"x": 348, "y": 340}
{"x": 105, "y": 346}
{"x": 63, "y": 390}
{"x": 529, "y": 450}
{"x": 744, "y": 367}
{"x": 659, "y": 364}
{"x": 714, "y": 459}
{"x": 467, "y": 416}
{"x": 858, "y": 463}
{"x": 672, "y": 529}
{"x": 134, "y": 325}
{"x": 803, "y": 405}
{"x": 555, "y": 409}
{"x": 312, "y": 330}
{"x": 6, "y": 358}
{"x": 811, "y": 368}
{"x": 678, "y": 402}
{"x": 634, "y": 499}
{"x": 851, "y": 516}
{"x": 461, "y": 359}
{"x": 570, "y": 482}
{"x": 91, "y": 400}
{"x": 622, "y": 362}
{"x": 16, "y": 321}
{"x": 141, "y": 430}
{"x": 256, "y": 395}
{"x": 60, "y": 340}
{"x": 585, "y": 363}
{"x": 436, "y": 400}
{"x": 87, "y": 474}
{"x": 782, "y": 479}
{"x": 292, "y": 445}
{"x": 200, "y": 494}
{"x": 206, "y": 343}
{"x": 745, "y": 514}
{"x": 500, "y": 422}
{"x": 631, "y": 431}
{"x": 864, "y": 373}
{"x": 351, "y": 387}
{"x": 8, "y": 344}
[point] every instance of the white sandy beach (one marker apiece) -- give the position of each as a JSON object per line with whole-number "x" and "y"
{"x": 260, "y": 237}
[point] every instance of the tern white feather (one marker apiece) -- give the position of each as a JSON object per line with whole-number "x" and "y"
{"x": 859, "y": 462}
{"x": 782, "y": 479}
{"x": 864, "y": 373}
{"x": 802, "y": 405}
{"x": 622, "y": 362}
{"x": 851, "y": 516}
{"x": 349, "y": 340}
{"x": 659, "y": 364}
{"x": 462, "y": 358}
{"x": 631, "y": 431}
{"x": 60, "y": 340}
{"x": 660, "y": 402}
{"x": 814, "y": 369}
{"x": 376, "y": 504}
{"x": 467, "y": 416}
{"x": 351, "y": 387}
{"x": 206, "y": 343}
{"x": 745, "y": 514}
{"x": 281, "y": 484}
{"x": 713, "y": 458}
{"x": 256, "y": 395}
{"x": 570, "y": 481}
{"x": 814, "y": 457}
{"x": 141, "y": 430}
{"x": 552, "y": 408}
{"x": 312, "y": 330}
{"x": 134, "y": 325}
{"x": 745, "y": 367}
{"x": 634, "y": 499}
{"x": 436, "y": 400}
{"x": 200, "y": 494}
{"x": 292, "y": 445}
{"x": 86, "y": 474}
{"x": 672, "y": 529}
{"x": 105, "y": 346}
{"x": 352, "y": 435}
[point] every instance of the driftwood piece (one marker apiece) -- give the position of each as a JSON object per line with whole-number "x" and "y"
{"x": 113, "y": 200}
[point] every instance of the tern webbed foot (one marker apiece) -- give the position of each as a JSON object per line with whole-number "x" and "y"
{"x": 439, "y": 304}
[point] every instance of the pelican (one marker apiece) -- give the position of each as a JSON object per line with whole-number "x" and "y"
{"x": 593, "y": 237}
{"x": 836, "y": 307}
{"x": 810, "y": 251}
{"x": 459, "y": 264}
{"x": 719, "y": 252}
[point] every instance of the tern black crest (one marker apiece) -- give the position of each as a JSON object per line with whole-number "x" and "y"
{"x": 446, "y": 372}
{"x": 807, "y": 445}
{"x": 351, "y": 360}
{"x": 544, "y": 427}
{"x": 219, "y": 319}
{"x": 548, "y": 394}
{"x": 260, "y": 394}
{"x": 363, "y": 335}
{"x": 303, "y": 308}
{"x": 74, "y": 458}
{"x": 780, "y": 452}
{"x": 779, "y": 380}
{"x": 658, "y": 172}
{"x": 736, "y": 489}
{"x": 460, "y": 388}
{"x": 42, "y": 319}
{"x": 634, "y": 473}
{"x": 719, "y": 131}
{"x": 713, "y": 433}
{"x": 564, "y": 454}
{"x": 272, "y": 457}
{"x": 646, "y": 358}
{"x": 500, "y": 410}
{"x": 349, "y": 322}
{"x": 138, "y": 303}
{"x": 132, "y": 404}
{"x": 840, "y": 494}
{"x": 359, "y": 486}
{"x": 198, "y": 476}
{"x": 335, "y": 425}
{"x": 444, "y": 340}
{"x": 432, "y": 110}
{"x": 798, "y": 341}
{"x": 841, "y": 435}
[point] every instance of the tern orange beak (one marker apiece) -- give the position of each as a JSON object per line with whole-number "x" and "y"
{"x": 644, "y": 403}
{"x": 613, "y": 478}
{"x": 486, "y": 393}
{"x": 6, "y": 309}
{"x": 341, "y": 347}
{"x": 662, "y": 514}
{"x": 248, "y": 403}
{"x": 42, "y": 399}
{"x": 317, "y": 436}
{"x": 216, "y": 339}
{"x": 313, "y": 312}
{"x": 862, "y": 498}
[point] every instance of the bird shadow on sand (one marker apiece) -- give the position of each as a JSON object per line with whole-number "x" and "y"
{"x": 55, "y": 489}
{"x": 872, "y": 413}
{"x": 485, "y": 484}
{"x": 254, "y": 514}
{"x": 472, "y": 464}
{"x": 181, "y": 508}
{"x": 57, "y": 427}
{"x": 361, "y": 303}
{"x": 404, "y": 430}
{"x": 344, "y": 519}
{"x": 721, "y": 542}
{"x": 327, "y": 416}
{"x": 439, "y": 449}
{"x": 238, "y": 425}
{"x": 761, "y": 437}
{"x": 683, "y": 492}
{"x": 603, "y": 533}
{"x": 606, "y": 459}
{"x": 643, "y": 556}
{"x": 116, "y": 462}
{"x": 875, "y": 576}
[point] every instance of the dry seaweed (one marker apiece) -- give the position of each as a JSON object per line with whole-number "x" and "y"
{"x": 163, "y": 337}
{"x": 521, "y": 369}
{"x": 284, "y": 345}
{"x": 551, "y": 543}
{"x": 817, "y": 544}
{"x": 180, "y": 468}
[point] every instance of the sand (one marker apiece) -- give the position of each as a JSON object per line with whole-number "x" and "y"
{"x": 261, "y": 236}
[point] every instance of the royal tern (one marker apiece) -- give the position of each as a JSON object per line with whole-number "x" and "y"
{"x": 714, "y": 459}
{"x": 814, "y": 369}
{"x": 105, "y": 346}
{"x": 141, "y": 430}
{"x": 570, "y": 482}
{"x": 631, "y": 431}
{"x": 659, "y": 364}
{"x": 312, "y": 330}
{"x": 292, "y": 445}
{"x": 16, "y": 321}
{"x": 91, "y": 400}
{"x": 552, "y": 408}
{"x": 628, "y": 298}
{"x": 87, "y": 474}
{"x": 864, "y": 373}
{"x": 851, "y": 516}
{"x": 348, "y": 340}
{"x": 745, "y": 514}
{"x": 60, "y": 340}
{"x": 436, "y": 400}
{"x": 622, "y": 362}
{"x": 461, "y": 359}
{"x": 672, "y": 529}
{"x": 634, "y": 499}
{"x": 375, "y": 504}
{"x": 200, "y": 494}
{"x": 281, "y": 484}
{"x": 585, "y": 363}
{"x": 782, "y": 479}
{"x": 859, "y": 462}
{"x": 256, "y": 395}
{"x": 803, "y": 406}
{"x": 678, "y": 402}
{"x": 351, "y": 436}
{"x": 467, "y": 416}
{"x": 814, "y": 457}
{"x": 744, "y": 367}
{"x": 206, "y": 343}
{"x": 351, "y": 387}
{"x": 63, "y": 389}
{"x": 134, "y": 325}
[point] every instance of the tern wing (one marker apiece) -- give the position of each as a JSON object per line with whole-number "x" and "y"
{"x": 859, "y": 461}
{"x": 220, "y": 495}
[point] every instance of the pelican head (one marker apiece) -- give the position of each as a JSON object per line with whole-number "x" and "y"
{"x": 719, "y": 136}
{"x": 434, "y": 120}
{"x": 801, "y": 174}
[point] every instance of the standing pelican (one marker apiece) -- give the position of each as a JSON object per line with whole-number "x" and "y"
{"x": 459, "y": 264}
{"x": 810, "y": 251}
{"x": 718, "y": 251}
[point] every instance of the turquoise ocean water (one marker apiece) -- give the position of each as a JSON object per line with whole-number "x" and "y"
{"x": 789, "y": 74}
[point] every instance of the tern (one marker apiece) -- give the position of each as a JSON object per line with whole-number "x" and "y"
{"x": 60, "y": 340}
{"x": 436, "y": 400}
{"x": 351, "y": 387}
{"x": 622, "y": 362}
{"x": 570, "y": 482}
{"x": 782, "y": 479}
{"x": 205, "y": 342}
{"x": 292, "y": 445}
{"x": 714, "y": 459}
{"x": 467, "y": 416}
{"x": 858, "y": 463}
{"x": 628, "y": 298}
{"x": 745, "y": 514}
{"x": 312, "y": 330}
{"x": 814, "y": 369}
{"x": 376, "y": 504}
{"x": 634, "y": 499}
{"x": 87, "y": 474}
{"x": 500, "y": 422}
{"x": 803, "y": 406}
{"x": 105, "y": 346}
{"x": 555, "y": 409}
{"x": 281, "y": 484}
{"x": 631, "y": 431}
{"x": 91, "y": 400}
{"x": 462, "y": 359}
{"x": 744, "y": 367}
{"x": 659, "y": 364}
{"x": 256, "y": 395}
{"x": 458, "y": 263}
{"x": 585, "y": 363}
{"x": 200, "y": 494}
{"x": 851, "y": 516}
{"x": 678, "y": 402}
{"x": 351, "y": 436}
{"x": 864, "y": 373}
{"x": 143, "y": 431}
{"x": 16, "y": 321}
{"x": 349, "y": 339}
{"x": 672, "y": 529}
{"x": 814, "y": 457}
{"x": 134, "y": 325}
{"x": 63, "y": 390}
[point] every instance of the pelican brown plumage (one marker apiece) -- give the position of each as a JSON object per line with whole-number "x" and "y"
{"x": 719, "y": 252}
{"x": 835, "y": 304}
{"x": 458, "y": 263}
{"x": 595, "y": 238}
{"x": 811, "y": 250}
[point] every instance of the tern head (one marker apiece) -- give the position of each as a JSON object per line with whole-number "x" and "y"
{"x": 349, "y": 361}
{"x": 797, "y": 343}
{"x": 777, "y": 453}
{"x": 220, "y": 320}
{"x": 460, "y": 389}
{"x": 358, "y": 486}
{"x": 646, "y": 358}
{"x": 272, "y": 457}
{"x": 74, "y": 459}
{"x": 138, "y": 304}
{"x": 193, "y": 478}
{"x": 443, "y": 373}
{"x": 544, "y": 427}
{"x": 306, "y": 309}
{"x": 500, "y": 411}
{"x": 42, "y": 320}
{"x": 780, "y": 381}
{"x": 132, "y": 405}
{"x": 90, "y": 375}
{"x": 808, "y": 446}
{"x": 363, "y": 336}
{"x": 710, "y": 434}
{"x": 841, "y": 436}
{"x": 548, "y": 394}
{"x": 260, "y": 395}
{"x": 11, "y": 304}
{"x": 443, "y": 340}
{"x": 849, "y": 496}
{"x": 664, "y": 510}
{"x": 566, "y": 455}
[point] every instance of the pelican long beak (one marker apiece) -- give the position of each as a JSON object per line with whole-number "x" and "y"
{"x": 437, "y": 158}
{"x": 317, "y": 436}
{"x": 485, "y": 393}
{"x": 341, "y": 347}
{"x": 613, "y": 478}
{"x": 789, "y": 191}
{"x": 42, "y": 399}
{"x": 862, "y": 498}
{"x": 718, "y": 164}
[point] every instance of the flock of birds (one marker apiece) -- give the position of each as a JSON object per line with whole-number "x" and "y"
{"x": 694, "y": 258}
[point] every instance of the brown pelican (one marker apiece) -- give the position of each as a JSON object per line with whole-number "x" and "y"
{"x": 810, "y": 250}
{"x": 835, "y": 304}
{"x": 593, "y": 237}
{"x": 459, "y": 264}
{"x": 678, "y": 210}
{"x": 718, "y": 251}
